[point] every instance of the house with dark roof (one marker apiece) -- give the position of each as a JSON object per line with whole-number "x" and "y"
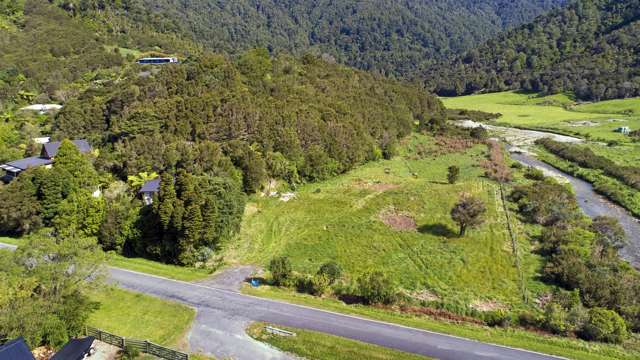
{"x": 76, "y": 349}
{"x": 149, "y": 189}
{"x": 49, "y": 151}
{"x": 16, "y": 349}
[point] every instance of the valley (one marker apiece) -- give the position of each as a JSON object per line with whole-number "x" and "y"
{"x": 295, "y": 179}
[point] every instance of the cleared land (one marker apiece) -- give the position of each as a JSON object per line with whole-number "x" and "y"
{"x": 320, "y": 346}
{"x": 140, "y": 316}
{"x": 360, "y": 220}
{"x": 557, "y": 112}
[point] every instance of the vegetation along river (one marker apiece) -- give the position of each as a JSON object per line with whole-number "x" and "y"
{"x": 591, "y": 202}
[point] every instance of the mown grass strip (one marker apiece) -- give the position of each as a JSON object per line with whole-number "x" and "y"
{"x": 320, "y": 346}
{"x": 156, "y": 268}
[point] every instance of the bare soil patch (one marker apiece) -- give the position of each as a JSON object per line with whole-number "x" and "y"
{"x": 375, "y": 185}
{"x": 491, "y": 305}
{"x": 398, "y": 221}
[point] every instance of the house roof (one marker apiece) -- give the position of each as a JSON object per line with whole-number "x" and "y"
{"x": 24, "y": 164}
{"x": 15, "y": 349}
{"x": 151, "y": 186}
{"x": 50, "y": 150}
{"x": 75, "y": 349}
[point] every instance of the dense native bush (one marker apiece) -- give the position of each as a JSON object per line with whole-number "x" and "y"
{"x": 332, "y": 270}
{"x": 586, "y": 48}
{"x": 581, "y": 256}
{"x": 496, "y": 166}
{"x": 253, "y": 109}
{"x": 585, "y": 157}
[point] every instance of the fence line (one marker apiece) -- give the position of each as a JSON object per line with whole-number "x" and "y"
{"x": 514, "y": 245}
{"x": 144, "y": 346}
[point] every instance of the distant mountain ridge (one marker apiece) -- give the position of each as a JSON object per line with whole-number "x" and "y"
{"x": 590, "y": 48}
{"x": 399, "y": 38}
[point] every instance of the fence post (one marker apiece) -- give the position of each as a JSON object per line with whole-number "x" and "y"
{"x": 146, "y": 345}
{"x": 124, "y": 342}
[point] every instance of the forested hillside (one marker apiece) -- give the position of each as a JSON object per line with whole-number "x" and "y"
{"x": 391, "y": 37}
{"x": 213, "y": 127}
{"x": 589, "y": 48}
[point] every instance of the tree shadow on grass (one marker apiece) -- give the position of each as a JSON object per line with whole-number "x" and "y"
{"x": 438, "y": 230}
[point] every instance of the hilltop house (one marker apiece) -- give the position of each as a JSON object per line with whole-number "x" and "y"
{"x": 46, "y": 158}
{"x": 149, "y": 189}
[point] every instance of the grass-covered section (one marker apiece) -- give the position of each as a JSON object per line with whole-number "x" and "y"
{"x": 10, "y": 240}
{"x": 320, "y": 346}
{"x": 553, "y": 345}
{"x": 156, "y": 268}
{"x": 140, "y": 316}
{"x": 556, "y": 113}
{"x": 342, "y": 220}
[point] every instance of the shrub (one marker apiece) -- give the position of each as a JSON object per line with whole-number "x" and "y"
{"x": 555, "y": 319}
{"x": 468, "y": 213}
{"x": 332, "y": 270}
{"x": 479, "y": 133}
{"x": 604, "y": 325}
{"x": 453, "y": 174}
{"x": 497, "y": 318}
{"x": 534, "y": 174}
{"x": 130, "y": 353}
{"x": 319, "y": 284}
{"x": 376, "y": 288}
{"x": 280, "y": 268}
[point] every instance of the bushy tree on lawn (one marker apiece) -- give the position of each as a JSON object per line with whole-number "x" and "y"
{"x": 468, "y": 213}
{"x": 280, "y": 268}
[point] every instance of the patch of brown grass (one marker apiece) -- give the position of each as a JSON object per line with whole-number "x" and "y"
{"x": 398, "y": 221}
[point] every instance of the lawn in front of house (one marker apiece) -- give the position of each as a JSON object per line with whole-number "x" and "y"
{"x": 139, "y": 316}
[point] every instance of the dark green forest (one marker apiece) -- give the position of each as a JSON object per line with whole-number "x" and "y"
{"x": 395, "y": 38}
{"x": 214, "y": 128}
{"x": 589, "y": 48}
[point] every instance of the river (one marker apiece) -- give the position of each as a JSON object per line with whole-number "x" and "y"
{"x": 592, "y": 203}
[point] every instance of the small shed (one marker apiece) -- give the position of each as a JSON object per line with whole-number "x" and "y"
{"x": 16, "y": 349}
{"x": 149, "y": 189}
{"x": 76, "y": 349}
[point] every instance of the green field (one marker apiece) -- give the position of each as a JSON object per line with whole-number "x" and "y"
{"x": 320, "y": 346}
{"x": 141, "y": 317}
{"x": 556, "y": 112}
{"x": 341, "y": 220}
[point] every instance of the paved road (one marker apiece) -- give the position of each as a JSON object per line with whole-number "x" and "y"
{"x": 216, "y": 306}
{"x": 223, "y": 315}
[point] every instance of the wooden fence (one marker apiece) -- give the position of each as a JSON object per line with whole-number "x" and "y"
{"x": 140, "y": 345}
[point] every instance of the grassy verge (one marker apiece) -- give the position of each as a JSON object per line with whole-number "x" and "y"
{"x": 10, "y": 241}
{"x": 156, "y": 268}
{"x": 570, "y": 348}
{"x": 319, "y": 346}
{"x": 140, "y": 316}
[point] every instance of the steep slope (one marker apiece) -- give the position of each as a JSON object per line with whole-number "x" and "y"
{"x": 391, "y": 37}
{"x": 589, "y": 48}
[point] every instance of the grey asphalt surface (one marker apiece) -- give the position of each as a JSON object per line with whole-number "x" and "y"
{"x": 218, "y": 307}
